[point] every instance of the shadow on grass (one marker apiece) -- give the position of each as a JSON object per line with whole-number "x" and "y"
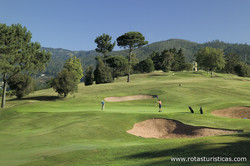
{"x": 157, "y": 74}
{"x": 38, "y": 98}
{"x": 227, "y": 149}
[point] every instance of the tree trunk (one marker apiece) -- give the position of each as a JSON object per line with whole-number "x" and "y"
{"x": 65, "y": 94}
{"x": 128, "y": 79}
{"x": 129, "y": 63}
{"x": 4, "y": 90}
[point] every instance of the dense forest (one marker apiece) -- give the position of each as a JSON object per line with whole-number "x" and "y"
{"x": 59, "y": 55}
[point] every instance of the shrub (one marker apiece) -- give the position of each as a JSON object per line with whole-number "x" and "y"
{"x": 64, "y": 83}
{"x": 189, "y": 66}
{"x": 241, "y": 69}
{"x": 21, "y": 84}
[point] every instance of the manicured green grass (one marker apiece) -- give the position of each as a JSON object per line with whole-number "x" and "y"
{"x": 43, "y": 129}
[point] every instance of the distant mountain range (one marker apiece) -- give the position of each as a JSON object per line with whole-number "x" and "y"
{"x": 59, "y": 55}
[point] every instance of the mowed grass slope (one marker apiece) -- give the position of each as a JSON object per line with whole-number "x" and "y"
{"x": 43, "y": 129}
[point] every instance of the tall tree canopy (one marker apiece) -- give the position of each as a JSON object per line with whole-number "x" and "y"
{"x": 104, "y": 44}
{"x": 210, "y": 58}
{"x": 74, "y": 66}
{"x": 131, "y": 40}
{"x": 18, "y": 53}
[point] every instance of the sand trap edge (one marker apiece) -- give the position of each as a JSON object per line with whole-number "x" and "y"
{"x": 239, "y": 112}
{"x": 128, "y": 98}
{"x": 161, "y": 128}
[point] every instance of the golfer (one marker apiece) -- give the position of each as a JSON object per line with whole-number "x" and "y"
{"x": 103, "y": 104}
{"x": 159, "y": 102}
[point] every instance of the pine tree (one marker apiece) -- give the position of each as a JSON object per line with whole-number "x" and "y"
{"x": 180, "y": 59}
{"x": 104, "y": 44}
{"x": 131, "y": 40}
{"x": 168, "y": 59}
{"x": 89, "y": 78}
{"x": 102, "y": 73}
{"x": 19, "y": 54}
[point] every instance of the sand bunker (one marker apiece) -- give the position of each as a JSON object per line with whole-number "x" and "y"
{"x": 234, "y": 112}
{"x": 126, "y": 98}
{"x": 164, "y": 128}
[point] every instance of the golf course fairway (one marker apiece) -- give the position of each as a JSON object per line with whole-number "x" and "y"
{"x": 44, "y": 129}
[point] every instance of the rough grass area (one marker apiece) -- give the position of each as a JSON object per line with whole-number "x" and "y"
{"x": 43, "y": 129}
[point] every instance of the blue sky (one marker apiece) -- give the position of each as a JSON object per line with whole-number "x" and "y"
{"x": 74, "y": 24}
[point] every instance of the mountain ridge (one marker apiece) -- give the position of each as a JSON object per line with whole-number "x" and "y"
{"x": 59, "y": 55}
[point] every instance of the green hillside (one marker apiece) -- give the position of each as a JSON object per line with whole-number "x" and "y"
{"x": 189, "y": 48}
{"x": 42, "y": 129}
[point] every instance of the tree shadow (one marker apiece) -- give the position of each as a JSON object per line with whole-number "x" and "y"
{"x": 38, "y": 98}
{"x": 156, "y": 74}
{"x": 208, "y": 150}
{"x": 244, "y": 135}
